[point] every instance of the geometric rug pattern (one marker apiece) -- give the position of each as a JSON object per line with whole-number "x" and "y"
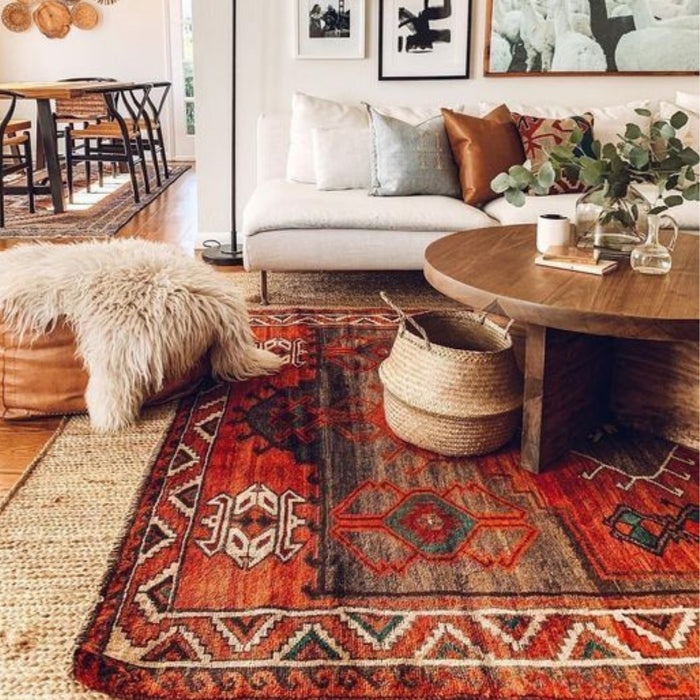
{"x": 287, "y": 545}
{"x": 99, "y": 214}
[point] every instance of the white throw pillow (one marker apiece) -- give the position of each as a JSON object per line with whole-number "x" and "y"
{"x": 688, "y": 101}
{"x": 341, "y": 158}
{"x": 310, "y": 113}
{"x": 608, "y": 122}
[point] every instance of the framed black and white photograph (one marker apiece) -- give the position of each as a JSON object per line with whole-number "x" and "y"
{"x": 329, "y": 29}
{"x": 592, "y": 37}
{"x": 423, "y": 39}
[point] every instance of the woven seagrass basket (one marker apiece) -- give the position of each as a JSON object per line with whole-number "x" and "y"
{"x": 451, "y": 383}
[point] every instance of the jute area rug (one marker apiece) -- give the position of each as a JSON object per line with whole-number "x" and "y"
{"x": 341, "y": 289}
{"x": 57, "y": 530}
{"x": 99, "y": 214}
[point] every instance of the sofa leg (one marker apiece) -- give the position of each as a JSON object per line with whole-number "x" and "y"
{"x": 263, "y": 288}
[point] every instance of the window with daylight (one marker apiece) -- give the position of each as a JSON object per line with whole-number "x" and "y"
{"x": 188, "y": 65}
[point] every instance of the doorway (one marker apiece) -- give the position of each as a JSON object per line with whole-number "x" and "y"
{"x": 183, "y": 90}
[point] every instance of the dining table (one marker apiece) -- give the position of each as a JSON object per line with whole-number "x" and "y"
{"x": 43, "y": 93}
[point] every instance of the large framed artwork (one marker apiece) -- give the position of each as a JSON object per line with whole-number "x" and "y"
{"x": 592, "y": 37}
{"x": 423, "y": 39}
{"x": 329, "y": 29}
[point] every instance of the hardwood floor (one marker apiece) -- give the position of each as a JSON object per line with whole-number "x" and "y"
{"x": 172, "y": 217}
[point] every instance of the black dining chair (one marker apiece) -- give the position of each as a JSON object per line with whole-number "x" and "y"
{"x": 15, "y": 137}
{"x": 119, "y": 139}
{"x": 152, "y": 126}
{"x": 83, "y": 111}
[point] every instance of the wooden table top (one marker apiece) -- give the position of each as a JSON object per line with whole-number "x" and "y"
{"x": 59, "y": 90}
{"x": 482, "y": 266}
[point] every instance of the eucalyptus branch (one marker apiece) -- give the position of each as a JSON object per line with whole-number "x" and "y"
{"x": 658, "y": 157}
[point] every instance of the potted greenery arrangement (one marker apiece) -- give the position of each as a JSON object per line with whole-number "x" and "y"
{"x": 612, "y": 214}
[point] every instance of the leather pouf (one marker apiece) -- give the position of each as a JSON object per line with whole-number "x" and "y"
{"x": 43, "y": 375}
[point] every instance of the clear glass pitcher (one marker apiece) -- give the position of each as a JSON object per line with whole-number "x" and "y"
{"x": 651, "y": 257}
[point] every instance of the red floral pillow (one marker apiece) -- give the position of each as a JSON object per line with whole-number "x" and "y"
{"x": 539, "y": 135}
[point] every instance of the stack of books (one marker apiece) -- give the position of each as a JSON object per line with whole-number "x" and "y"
{"x": 576, "y": 260}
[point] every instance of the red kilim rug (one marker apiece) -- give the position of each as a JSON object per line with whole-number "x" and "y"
{"x": 287, "y": 545}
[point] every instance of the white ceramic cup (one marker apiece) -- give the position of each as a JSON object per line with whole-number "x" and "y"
{"x": 552, "y": 230}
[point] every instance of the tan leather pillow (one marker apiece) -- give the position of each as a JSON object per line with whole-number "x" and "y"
{"x": 42, "y": 376}
{"x": 482, "y": 147}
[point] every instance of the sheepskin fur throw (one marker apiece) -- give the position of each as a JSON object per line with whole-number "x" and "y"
{"x": 142, "y": 313}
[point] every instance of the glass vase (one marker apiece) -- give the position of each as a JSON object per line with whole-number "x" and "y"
{"x": 609, "y": 222}
{"x": 653, "y": 258}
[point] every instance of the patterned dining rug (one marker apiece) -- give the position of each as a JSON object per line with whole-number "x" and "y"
{"x": 286, "y": 545}
{"x": 96, "y": 214}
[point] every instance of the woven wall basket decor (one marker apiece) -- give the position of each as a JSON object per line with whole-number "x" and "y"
{"x": 85, "y": 16}
{"x": 16, "y": 17}
{"x": 53, "y": 19}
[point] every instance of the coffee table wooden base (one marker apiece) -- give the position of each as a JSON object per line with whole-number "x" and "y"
{"x": 567, "y": 381}
{"x": 621, "y": 346}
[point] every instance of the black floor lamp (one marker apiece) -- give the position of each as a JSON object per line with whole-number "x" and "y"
{"x": 215, "y": 253}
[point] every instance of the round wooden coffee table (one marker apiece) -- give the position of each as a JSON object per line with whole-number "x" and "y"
{"x": 572, "y": 322}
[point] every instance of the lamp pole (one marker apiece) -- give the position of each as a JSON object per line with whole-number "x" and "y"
{"x": 232, "y": 254}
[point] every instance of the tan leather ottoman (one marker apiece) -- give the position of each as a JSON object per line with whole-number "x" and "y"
{"x": 42, "y": 376}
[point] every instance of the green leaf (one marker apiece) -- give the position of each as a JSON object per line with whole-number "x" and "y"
{"x": 609, "y": 151}
{"x": 546, "y": 176}
{"x": 597, "y": 149}
{"x": 592, "y": 174}
{"x": 689, "y": 157}
{"x": 639, "y": 157}
{"x": 521, "y": 176}
{"x": 632, "y": 131}
{"x": 666, "y": 131}
{"x": 642, "y": 112}
{"x": 515, "y": 197}
{"x": 658, "y": 209}
{"x": 576, "y": 136}
{"x": 692, "y": 193}
{"x": 672, "y": 182}
{"x": 679, "y": 120}
{"x": 501, "y": 183}
{"x": 674, "y": 200}
{"x": 561, "y": 152}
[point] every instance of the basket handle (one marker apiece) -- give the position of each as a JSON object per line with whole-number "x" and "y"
{"x": 495, "y": 307}
{"x": 404, "y": 319}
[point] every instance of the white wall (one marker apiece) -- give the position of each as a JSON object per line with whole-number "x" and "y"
{"x": 213, "y": 73}
{"x": 129, "y": 43}
{"x": 268, "y": 75}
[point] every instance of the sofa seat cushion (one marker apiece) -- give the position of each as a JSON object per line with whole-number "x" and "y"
{"x": 280, "y": 204}
{"x": 44, "y": 375}
{"x": 687, "y": 214}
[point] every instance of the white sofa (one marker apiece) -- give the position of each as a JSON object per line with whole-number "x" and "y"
{"x": 294, "y": 227}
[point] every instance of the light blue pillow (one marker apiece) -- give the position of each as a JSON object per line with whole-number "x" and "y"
{"x": 407, "y": 159}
